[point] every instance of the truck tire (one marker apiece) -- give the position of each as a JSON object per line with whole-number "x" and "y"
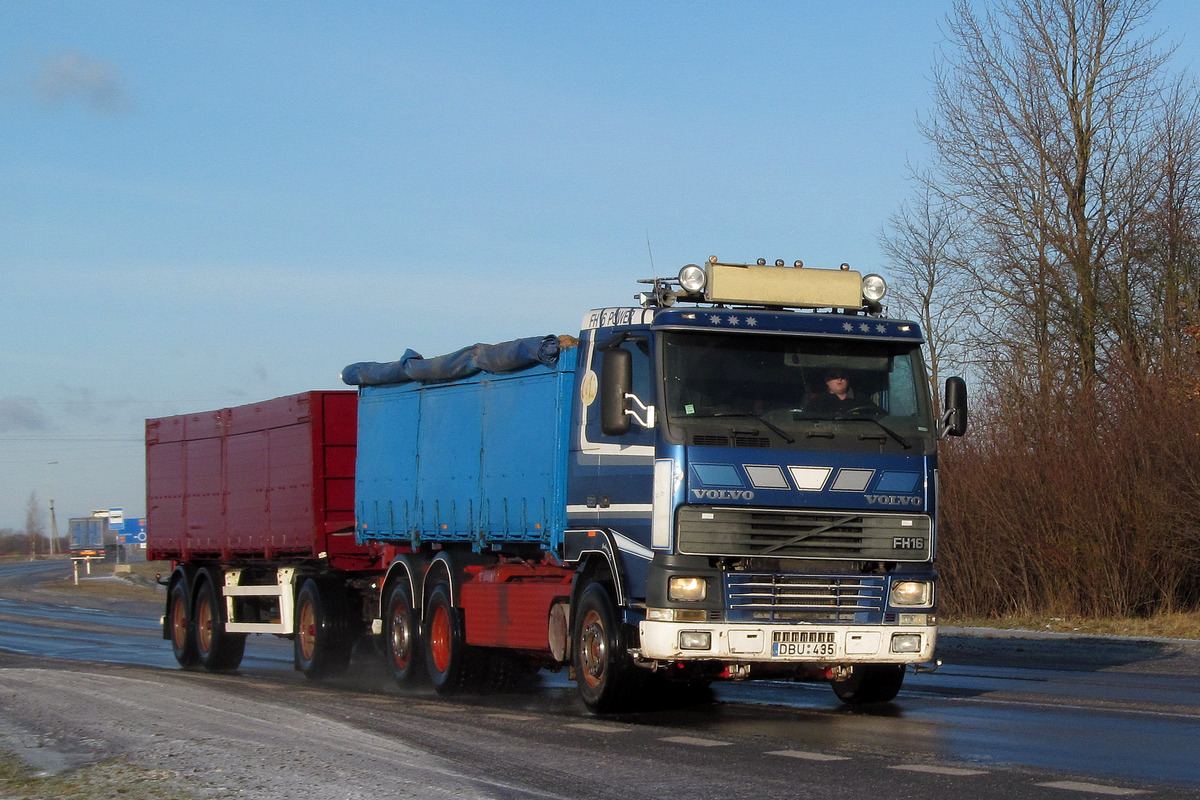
{"x": 322, "y": 641}
{"x": 179, "y": 627}
{"x": 402, "y": 635}
{"x": 448, "y": 660}
{"x": 870, "y": 683}
{"x": 603, "y": 672}
{"x": 216, "y": 649}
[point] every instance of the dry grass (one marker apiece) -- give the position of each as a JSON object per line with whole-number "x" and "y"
{"x": 111, "y": 779}
{"x": 136, "y": 581}
{"x": 1171, "y": 626}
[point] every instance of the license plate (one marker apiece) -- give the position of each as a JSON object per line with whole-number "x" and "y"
{"x": 803, "y": 649}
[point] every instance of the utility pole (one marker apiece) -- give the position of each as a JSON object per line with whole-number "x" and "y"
{"x": 53, "y": 530}
{"x": 53, "y": 522}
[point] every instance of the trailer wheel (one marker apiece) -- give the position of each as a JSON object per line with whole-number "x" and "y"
{"x": 322, "y": 646}
{"x": 447, "y": 659}
{"x": 216, "y": 649}
{"x": 603, "y": 673}
{"x": 179, "y": 627}
{"x": 402, "y": 636}
{"x": 870, "y": 683}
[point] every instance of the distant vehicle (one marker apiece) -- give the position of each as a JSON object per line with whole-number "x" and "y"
{"x": 96, "y": 537}
{"x": 91, "y": 537}
{"x": 661, "y": 499}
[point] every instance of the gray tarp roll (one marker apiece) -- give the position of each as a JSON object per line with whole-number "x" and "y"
{"x": 491, "y": 358}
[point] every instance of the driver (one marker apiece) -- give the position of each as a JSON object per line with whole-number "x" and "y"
{"x": 839, "y": 397}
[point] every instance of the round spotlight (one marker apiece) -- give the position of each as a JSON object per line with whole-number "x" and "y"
{"x": 874, "y": 288}
{"x": 691, "y": 278}
{"x": 779, "y": 262}
{"x": 762, "y": 262}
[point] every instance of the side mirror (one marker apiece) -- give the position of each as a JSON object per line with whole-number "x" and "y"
{"x": 616, "y": 381}
{"x": 954, "y": 420}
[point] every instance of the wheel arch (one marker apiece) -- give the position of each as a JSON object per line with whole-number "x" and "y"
{"x": 410, "y": 569}
{"x": 450, "y": 566}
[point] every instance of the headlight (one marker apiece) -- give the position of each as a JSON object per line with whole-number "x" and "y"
{"x": 692, "y": 278}
{"x": 686, "y": 590}
{"x": 911, "y": 593}
{"x": 874, "y": 288}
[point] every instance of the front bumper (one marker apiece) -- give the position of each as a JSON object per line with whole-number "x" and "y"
{"x": 784, "y": 644}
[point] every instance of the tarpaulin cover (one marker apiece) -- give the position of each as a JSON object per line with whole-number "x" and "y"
{"x": 491, "y": 358}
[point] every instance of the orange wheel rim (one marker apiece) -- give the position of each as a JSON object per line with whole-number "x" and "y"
{"x": 439, "y": 639}
{"x": 179, "y": 624}
{"x": 308, "y": 631}
{"x": 204, "y": 625}
{"x": 593, "y": 649}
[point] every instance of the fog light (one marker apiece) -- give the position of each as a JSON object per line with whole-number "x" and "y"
{"x": 906, "y": 643}
{"x": 686, "y": 589}
{"x": 874, "y": 288}
{"x": 691, "y": 278}
{"x": 695, "y": 640}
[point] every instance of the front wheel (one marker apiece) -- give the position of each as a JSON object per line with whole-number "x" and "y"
{"x": 603, "y": 672}
{"x": 870, "y": 683}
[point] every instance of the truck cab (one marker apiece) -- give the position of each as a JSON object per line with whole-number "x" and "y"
{"x": 754, "y": 451}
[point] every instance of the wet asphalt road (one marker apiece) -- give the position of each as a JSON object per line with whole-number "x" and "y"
{"x": 1065, "y": 716}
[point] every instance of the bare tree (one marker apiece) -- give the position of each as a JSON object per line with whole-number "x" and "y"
{"x": 34, "y": 527}
{"x": 1044, "y": 131}
{"x": 1068, "y": 159}
{"x": 921, "y": 243}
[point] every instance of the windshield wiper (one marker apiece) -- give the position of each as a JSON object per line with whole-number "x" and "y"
{"x": 775, "y": 428}
{"x": 884, "y": 428}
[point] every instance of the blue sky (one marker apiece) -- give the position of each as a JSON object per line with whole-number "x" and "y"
{"x": 205, "y": 204}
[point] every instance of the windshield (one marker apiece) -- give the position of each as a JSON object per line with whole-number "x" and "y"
{"x": 794, "y": 392}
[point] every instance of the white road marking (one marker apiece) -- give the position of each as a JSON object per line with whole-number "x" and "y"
{"x": 692, "y": 740}
{"x": 1094, "y": 788}
{"x": 515, "y": 717}
{"x": 808, "y": 756}
{"x": 938, "y": 770}
{"x": 597, "y": 727}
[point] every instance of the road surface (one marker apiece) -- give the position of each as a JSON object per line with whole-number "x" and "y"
{"x": 1004, "y": 717}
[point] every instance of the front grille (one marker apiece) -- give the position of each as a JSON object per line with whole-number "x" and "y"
{"x": 769, "y": 533}
{"x": 791, "y": 597}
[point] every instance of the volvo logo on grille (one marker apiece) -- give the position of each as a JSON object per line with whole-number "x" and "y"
{"x": 892, "y": 500}
{"x": 723, "y": 494}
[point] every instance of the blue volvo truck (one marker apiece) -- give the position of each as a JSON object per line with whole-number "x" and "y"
{"x": 735, "y": 479}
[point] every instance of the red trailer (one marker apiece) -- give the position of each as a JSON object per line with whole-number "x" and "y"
{"x": 254, "y": 505}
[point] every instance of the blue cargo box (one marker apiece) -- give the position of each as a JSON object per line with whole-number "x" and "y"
{"x": 481, "y": 459}
{"x": 90, "y": 532}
